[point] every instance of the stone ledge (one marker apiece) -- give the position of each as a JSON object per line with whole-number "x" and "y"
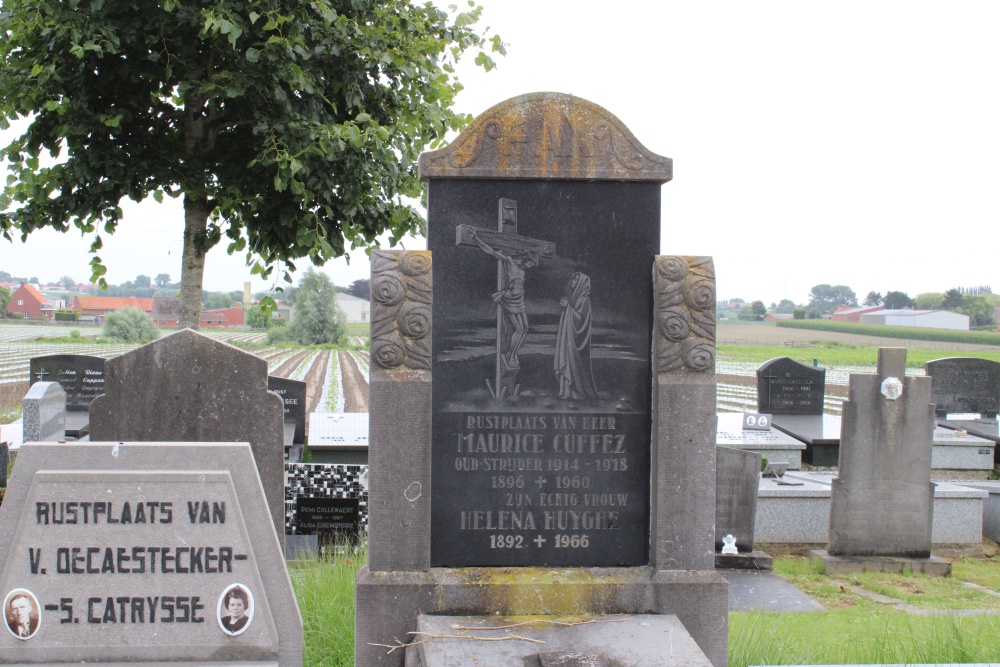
{"x": 754, "y": 560}
{"x": 854, "y": 564}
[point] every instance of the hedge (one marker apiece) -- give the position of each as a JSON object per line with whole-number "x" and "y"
{"x": 907, "y": 333}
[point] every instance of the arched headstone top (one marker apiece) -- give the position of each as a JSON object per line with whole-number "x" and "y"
{"x": 547, "y": 135}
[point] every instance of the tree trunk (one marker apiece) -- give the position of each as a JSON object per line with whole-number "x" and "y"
{"x": 193, "y": 264}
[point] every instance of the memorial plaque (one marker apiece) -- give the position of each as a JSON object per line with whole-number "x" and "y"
{"x": 542, "y": 371}
{"x": 81, "y": 377}
{"x": 143, "y": 553}
{"x": 293, "y": 393}
{"x": 787, "y": 387}
{"x": 965, "y": 385}
{"x": 327, "y": 516}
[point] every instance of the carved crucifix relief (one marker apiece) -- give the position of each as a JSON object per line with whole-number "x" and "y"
{"x": 515, "y": 255}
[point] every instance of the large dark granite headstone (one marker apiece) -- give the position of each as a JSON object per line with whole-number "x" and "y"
{"x": 542, "y": 370}
{"x": 293, "y": 393}
{"x": 965, "y": 385}
{"x": 81, "y": 377}
{"x": 187, "y": 387}
{"x": 787, "y": 387}
{"x": 554, "y": 438}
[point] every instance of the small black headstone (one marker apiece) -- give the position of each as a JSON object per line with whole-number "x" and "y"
{"x": 293, "y": 393}
{"x": 4, "y": 462}
{"x": 328, "y": 517}
{"x": 965, "y": 385}
{"x": 81, "y": 377}
{"x": 787, "y": 387}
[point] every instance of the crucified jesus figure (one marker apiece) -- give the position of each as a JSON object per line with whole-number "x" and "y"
{"x": 511, "y": 296}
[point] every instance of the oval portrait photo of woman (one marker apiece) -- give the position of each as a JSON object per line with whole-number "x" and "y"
{"x": 235, "y": 609}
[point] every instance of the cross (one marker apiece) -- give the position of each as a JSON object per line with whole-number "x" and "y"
{"x": 769, "y": 378}
{"x": 506, "y": 242}
{"x": 41, "y": 374}
{"x": 541, "y": 481}
{"x": 539, "y": 541}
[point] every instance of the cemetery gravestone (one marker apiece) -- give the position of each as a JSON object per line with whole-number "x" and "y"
{"x": 776, "y": 445}
{"x": 4, "y": 462}
{"x": 965, "y": 385}
{"x": 293, "y": 394}
{"x": 187, "y": 387}
{"x": 43, "y": 413}
{"x": 81, "y": 377}
{"x": 882, "y": 499}
{"x": 787, "y": 387}
{"x": 737, "y": 476}
{"x": 793, "y": 393}
{"x": 129, "y": 553}
{"x": 542, "y": 414}
{"x": 966, "y": 391}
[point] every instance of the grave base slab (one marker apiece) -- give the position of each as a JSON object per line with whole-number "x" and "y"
{"x": 642, "y": 640}
{"x": 388, "y": 604}
{"x": 754, "y": 560}
{"x": 854, "y": 564}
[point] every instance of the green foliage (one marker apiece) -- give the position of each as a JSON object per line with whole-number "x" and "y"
{"x": 215, "y": 300}
{"x": 258, "y": 318}
{"x": 827, "y": 298}
{"x": 755, "y": 311}
{"x": 281, "y": 334}
{"x": 979, "y": 308}
{"x": 143, "y": 281}
{"x": 318, "y": 318}
{"x": 799, "y": 314}
{"x": 162, "y": 279}
{"x": 895, "y": 300}
{"x": 66, "y": 315}
{"x": 908, "y": 333}
{"x": 361, "y": 289}
{"x": 4, "y": 301}
{"x": 930, "y": 301}
{"x": 785, "y": 306}
{"x": 129, "y": 325}
{"x": 873, "y": 298}
{"x": 291, "y": 129}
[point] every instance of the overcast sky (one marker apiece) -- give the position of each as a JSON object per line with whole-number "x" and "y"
{"x": 850, "y": 142}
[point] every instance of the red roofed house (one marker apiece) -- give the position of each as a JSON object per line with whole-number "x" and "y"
{"x": 94, "y": 308}
{"x": 28, "y": 302}
{"x": 222, "y": 317}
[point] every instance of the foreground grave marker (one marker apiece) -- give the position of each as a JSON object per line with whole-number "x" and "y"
{"x": 132, "y": 553}
{"x": 568, "y": 479}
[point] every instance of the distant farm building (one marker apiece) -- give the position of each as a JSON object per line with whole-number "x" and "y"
{"x": 930, "y": 319}
{"x": 853, "y": 313}
{"x": 29, "y": 303}
{"x": 95, "y": 308}
{"x": 355, "y": 310}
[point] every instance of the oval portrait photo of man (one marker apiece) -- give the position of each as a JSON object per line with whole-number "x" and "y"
{"x": 235, "y": 609}
{"x": 22, "y": 613}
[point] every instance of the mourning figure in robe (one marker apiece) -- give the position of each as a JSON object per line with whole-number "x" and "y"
{"x": 572, "y": 360}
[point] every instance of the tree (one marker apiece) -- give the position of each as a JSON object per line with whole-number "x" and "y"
{"x": 980, "y": 308}
{"x": 216, "y": 300}
{"x": 129, "y": 325}
{"x": 290, "y": 128}
{"x": 827, "y": 298}
{"x": 897, "y": 300}
{"x": 5, "y": 277}
{"x": 929, "y": 300}
{"x": 4, "y": 301}
{"x": 785, "y": 306}
{"x": 33, "y": 280}
{"x": 162, "y": 279}
{"x": 361, "y": 288}
{"x": 67, "y": 283}
{"x": 143, "y": 281}
{"x": 318, "y": 318}
{"x": 799, "y": 314}
{"x": 952, "y": 299}
{"x": 872, "y": 299}
{"x": 258, "y": 318}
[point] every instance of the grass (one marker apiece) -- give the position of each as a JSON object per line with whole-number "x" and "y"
{"x": 325, "y": 592}
{"x": 855, "y": 630}
{"x": 908, "y": 333}
{"x": 833, "y": 353}
{"x": 860, "y": 635}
